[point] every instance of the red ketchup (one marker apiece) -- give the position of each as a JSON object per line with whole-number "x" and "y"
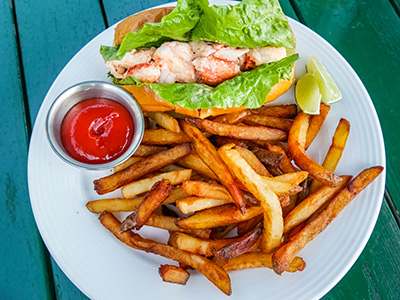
{"x": 97, "y": 130}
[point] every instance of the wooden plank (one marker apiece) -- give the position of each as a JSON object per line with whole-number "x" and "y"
{"x": 375, "y": 275}
{"x": 24, "y": 270}
{"x": 367, "y": 34}
{"x": 51, "y": 32}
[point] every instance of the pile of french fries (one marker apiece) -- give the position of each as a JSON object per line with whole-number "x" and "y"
{"x": 235, "y": 191}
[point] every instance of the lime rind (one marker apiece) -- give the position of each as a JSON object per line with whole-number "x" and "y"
{"x": 329, "y": 90}
{"x": 308, "y": 95}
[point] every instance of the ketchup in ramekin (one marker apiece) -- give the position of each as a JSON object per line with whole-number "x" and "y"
{"x": 94, "y": 125}
{"x": 97, "y": 130}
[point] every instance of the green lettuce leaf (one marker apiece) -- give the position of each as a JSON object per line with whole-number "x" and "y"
{"x": 109, "y": 52}
{"x": 251, "y": 23}
{"x": 175, "y": 26}
{"x": 249, "y": 89}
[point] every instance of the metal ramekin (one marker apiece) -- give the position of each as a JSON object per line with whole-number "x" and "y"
{"x": 85, "y": 90}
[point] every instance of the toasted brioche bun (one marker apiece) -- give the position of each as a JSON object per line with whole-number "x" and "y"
{"x": 148, "y": 100}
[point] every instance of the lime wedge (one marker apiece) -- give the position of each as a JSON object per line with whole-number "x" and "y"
{"x": 308, "y": 95}
{"x": 327, "y": 86}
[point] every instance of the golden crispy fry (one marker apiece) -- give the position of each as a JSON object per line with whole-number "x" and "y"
{"x": 279, "y": 111}
{"x": 256, "y": 184}
{"x": 286, "y": 165}
{"x": 193, "y": 204}
{"x": 141, "y": 186}
{"x": 147, "y": 150}
{"x": 268, "y": 158}
{"x": 113, "y": 205}
{"x": 310, "y": 204}
{"x": 206, "y": 247}
{"x": 206, "y": 190}
{"x": 240, "y": 132}
{"x": 168, "y": 223}
{"x": 122, "y": 204}
{"x": 214, "y": 273}
{"x": 245, "y": 226}
{"x": 209, "y": 155}
{"x": 194, "y": 162}
{"x": 286, "y": 253}
{"x": 335, "y": 151}
{"x": 177, "y": 193}
{"x": 315, "y": 124}
{"x": 130, "y": 161}
{"x": 173, "y": 274}
{"x": 256, "y": 260}
{"x": 218, "y": 216}
{"x": 219, "y": 141}
{"x": 222, "y": 231}
{"x": 145, "y": 166}
{"x": 163, "y": 137}
{"x": 241, "y": 245}
{"x": 286, "y": 184}
{"x": 253, "y": 161}
{"x": 164, "y": 120}
{"x": 171, "y": 168}
{"x": 273, "y": 122}
{"x": 296, "y": 142}
{"x": 153, "y": 199}
{"x": 233, "y": 118}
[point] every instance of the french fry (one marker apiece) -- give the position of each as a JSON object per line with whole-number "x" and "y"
{"x": 257, "y": 260}
{"x": 145, "y": 166}
{"x": 310, "y": 204}
{"x": 222, "y": 231}
{"x": 218, "y": 216}
{"x": 273, "y": 122}
{"x": 206, "y": 190}
{"x": 245, "y": 226}
{"x": 163, "y": 137}
{"x": 147, "y": 150}
{"x": 130, "y": 161}
{"x": 279, "y": 111}
{"x": 206, "y": 247}
{"x": 253, "y": 161}
{"x": 164, "y": 120}
{"x": 273, "y": 221}
{"x": 214, "y": 273}
{"x": 209, "y": 155}
{"x": 153, "y": 199}
{"x": 177, "y": 193}
{"x": 194, "y": 162}
{"x": 285, "y": 165}
{"x": 141, "y": 186}
{"x": 315, "y": 124}
{"x": 113, "y": 205}
{"x": 296, "y": 143}
{"x": 241, "y": 245}
{"x": 173, "y": 274}
{"x": 335, "y": 150}
{"x": 168, "y": 223}
{"x": 268, "y": 158}
{"x": 233, "y": 118}
{"x": 171, "y": 168}
{"x": 286, "y": 253}
{"x": 286, "y": 184}
{"x": 240, "y": 132}
{"x": 193, "y": 204}
{"x": 126, "y": 205}
{"x": 219, "y": 141}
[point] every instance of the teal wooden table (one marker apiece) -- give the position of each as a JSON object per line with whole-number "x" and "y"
{"x": 38, "y": 38}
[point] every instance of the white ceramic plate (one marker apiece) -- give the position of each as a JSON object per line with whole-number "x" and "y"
{"x": 104, "y": 268}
